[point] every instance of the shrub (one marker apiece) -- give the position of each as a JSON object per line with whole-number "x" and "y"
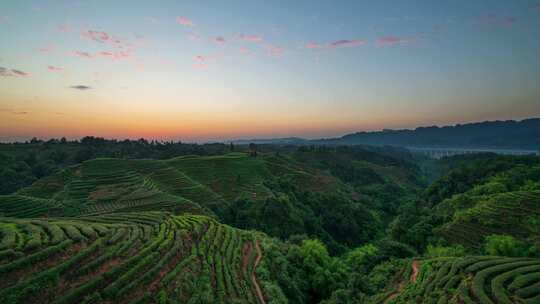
{"x": 506, "y": 245}
{"x": 440, "y": 251}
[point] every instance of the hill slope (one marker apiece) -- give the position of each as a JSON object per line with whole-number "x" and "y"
{"x": 474, "y": 279}
{"x": 107, "y": 258}
{"x": 193, "y": 184}
{"x": 496, "y": 195}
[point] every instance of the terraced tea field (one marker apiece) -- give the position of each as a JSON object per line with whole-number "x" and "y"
{"x": 477, "y": 279}
{"x": 194, "y": 184}
{"x": 513, "y": 213}
{"x": 137, "y": 257}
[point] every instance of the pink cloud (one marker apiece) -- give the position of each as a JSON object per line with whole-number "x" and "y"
{"x": 98, "y": 36}
{"x": 46, "y": 49}
{"x": 250, "y": 38}
{"x": 388, "y": 41}
{"x": 4, "y": 72}
{"x": 82, "y": 54}
{"x": 201, "y": 62}
{"x": 244, "y": 50}
{"x": 313, "y": 45}
{"x": 117, "y": 55}
{"x": 184, "y": 21}
{"x": 336, "y": 44}
{"x": 113, "y": 55}
{"x": 112, "y": 40}
{"x": 20, "y": 73}
{"x": 54, "y": 68}
{"x": 347, "y": 43}
{"x": 273, "y": 50}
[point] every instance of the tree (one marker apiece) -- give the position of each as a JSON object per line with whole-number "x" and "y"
{"x": 362, "y": 258}
{"x": 253, "y": 149}
{"x": 506, "y": 245}
{"x": 325, "y": 273}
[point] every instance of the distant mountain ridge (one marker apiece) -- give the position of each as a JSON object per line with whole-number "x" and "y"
{"x": 508, "y": 134}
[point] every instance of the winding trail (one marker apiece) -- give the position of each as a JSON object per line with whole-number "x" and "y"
{"x": 415, "y": 268}
{"x": 253, "y": 276}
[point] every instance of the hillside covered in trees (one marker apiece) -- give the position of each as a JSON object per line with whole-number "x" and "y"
{"x": 494, "y": 135}
{"x": 149, "y": 222}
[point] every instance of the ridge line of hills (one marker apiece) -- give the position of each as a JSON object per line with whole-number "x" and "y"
{"x": 509, "y": 134}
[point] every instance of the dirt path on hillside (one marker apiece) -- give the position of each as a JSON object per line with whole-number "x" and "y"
{"x": 253, "y": 276}
{"x": 415, "y": 268}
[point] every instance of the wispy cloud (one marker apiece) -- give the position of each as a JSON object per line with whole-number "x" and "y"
{"x": 494, "y": 20}
{"x": 273, "y": 50}
{"x": 113, "y": 41}
{"x": 250, "y": 38}
{"x": 5, "y": 72}
{"x": 98, "y": 36}
{"x": 115, "y": 55}
{"x": 219, "y": 39}
{"x": 83, "y": 54}
{"x": 46, "y": 49}
{"x": 201, "y": 61}
{"x": 347, "y": 43}
{"x": 314, "y": 45}
{"x": 184, "y": 21}
{"x": 20, "y": 73}
{"x": 336, "y": 44}
{"x": 64, "y": 28}
{"x": 388, "y": 41}
{"x": 13, "y": 112}
{"x": 80, "y": 87}
{"x": 194, "y": 36}
{"x": 53, "y": 68}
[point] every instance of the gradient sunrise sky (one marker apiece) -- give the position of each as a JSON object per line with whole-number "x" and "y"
{"x": 216, "y": 70}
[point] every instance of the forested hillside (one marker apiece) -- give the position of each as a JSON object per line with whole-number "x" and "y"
{"x": 269, "y": 224}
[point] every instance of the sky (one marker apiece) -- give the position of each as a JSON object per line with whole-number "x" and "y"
{"x": 217, "y": 70}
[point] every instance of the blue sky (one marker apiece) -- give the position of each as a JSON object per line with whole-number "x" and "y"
{"x": 207, "y": 70}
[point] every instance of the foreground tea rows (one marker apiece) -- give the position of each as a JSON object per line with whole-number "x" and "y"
{"x": 108, "y": 258}
{"x": 481, "y": 279}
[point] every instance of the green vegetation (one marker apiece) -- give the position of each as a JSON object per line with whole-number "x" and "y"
{"x": 186, "y": 258}
{"x": 268, "y": 224}
{"x": 472, "y": 280}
